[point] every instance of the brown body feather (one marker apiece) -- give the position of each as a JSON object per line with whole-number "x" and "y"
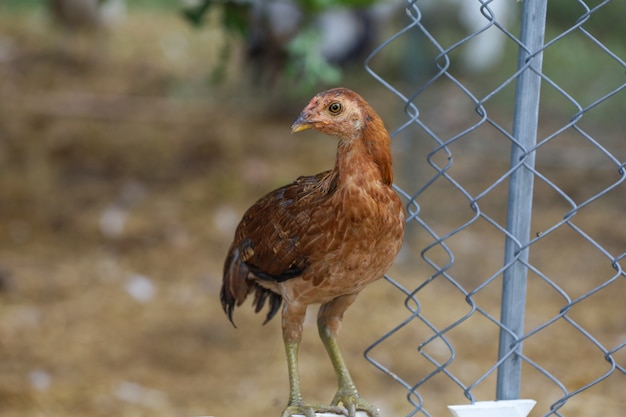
{"x": 322, "y": 238}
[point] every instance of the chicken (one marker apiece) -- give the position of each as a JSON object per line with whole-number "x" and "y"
{"x": 321, "y": 240}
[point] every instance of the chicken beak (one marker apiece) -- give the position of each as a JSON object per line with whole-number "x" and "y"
{"x": 301, "y": 124}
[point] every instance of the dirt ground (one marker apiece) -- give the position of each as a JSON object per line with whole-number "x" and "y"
{"x": 123, "y": 172}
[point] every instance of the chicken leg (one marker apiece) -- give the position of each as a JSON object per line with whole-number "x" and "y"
{"x": 328, "y": 323}
{"x": 296, "y": 405}
{"x": 293, "y": 317}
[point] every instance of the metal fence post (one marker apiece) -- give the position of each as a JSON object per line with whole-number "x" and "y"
{"x": 525, "y": 124}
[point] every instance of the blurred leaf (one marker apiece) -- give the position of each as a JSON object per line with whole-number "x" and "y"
{"x": 235, "y": 16}
{"x": 304, "y": 60}
{"x": 316, "y": 6}
{"x": 307, "y": 64}
{"x": 195, "y": 14}
{"x": 235, "y": 12}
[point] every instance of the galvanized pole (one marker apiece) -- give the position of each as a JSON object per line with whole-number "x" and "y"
{"x": 525, "y": 123}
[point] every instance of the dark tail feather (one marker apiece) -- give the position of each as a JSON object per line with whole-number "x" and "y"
{"x": 261, "y": 297}
{"x": 275, "y": 302}
{"x": 236, "y": 286}
{"x": 228, "y": 304}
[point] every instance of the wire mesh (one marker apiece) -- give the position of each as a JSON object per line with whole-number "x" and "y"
{"x": 569, "y": 349}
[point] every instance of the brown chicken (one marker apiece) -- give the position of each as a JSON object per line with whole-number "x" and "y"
{"x": 321, "y": 240}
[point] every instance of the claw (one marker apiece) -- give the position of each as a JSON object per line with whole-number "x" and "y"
{"x": 353, "y": 403}
{"x": 309, "y": 410}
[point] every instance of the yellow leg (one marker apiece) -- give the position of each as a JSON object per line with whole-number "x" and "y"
{"x": 329, "y": 322}
{"x": 292, "y": 332}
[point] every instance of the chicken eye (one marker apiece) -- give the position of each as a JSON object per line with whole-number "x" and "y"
{"x": 335, "y": 108}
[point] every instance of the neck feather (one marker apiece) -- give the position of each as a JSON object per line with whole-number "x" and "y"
{"x": 367, "y": 155}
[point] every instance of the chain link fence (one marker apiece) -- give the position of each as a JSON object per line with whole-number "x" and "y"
{"x": 516, "y": 194}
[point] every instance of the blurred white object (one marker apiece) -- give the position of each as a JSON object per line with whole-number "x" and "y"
{"x": 225, "y": 219}
{"x": 343, "y": 32}
{"x": 40, "y": 379}
{"x": 485, "y": 50}
{"x": 140, "y": 288}
{"x": 358, "y": 414}
{"x": 133, "y": 393}
{"x": 506, "y": 408}
{"x": 112, "y": 221}
{"x": 113, "y": 12}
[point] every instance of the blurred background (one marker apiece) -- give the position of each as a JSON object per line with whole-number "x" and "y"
{"x": 133, "y": 135}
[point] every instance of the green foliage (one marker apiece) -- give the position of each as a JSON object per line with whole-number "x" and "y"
{"x": 234, "y": 10}
{"x": 316, "y": 6}
{"x": 19, "y": 5}
{"x": 304, "y": 62}
{"x": 233, "y": 14}
{"x": 234, "y": 17}
{"x": 307, "y": 64}
{"x": 195, "y": 14}
{"x": 576, "y": 57}
{"x": 610, "y": 17}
